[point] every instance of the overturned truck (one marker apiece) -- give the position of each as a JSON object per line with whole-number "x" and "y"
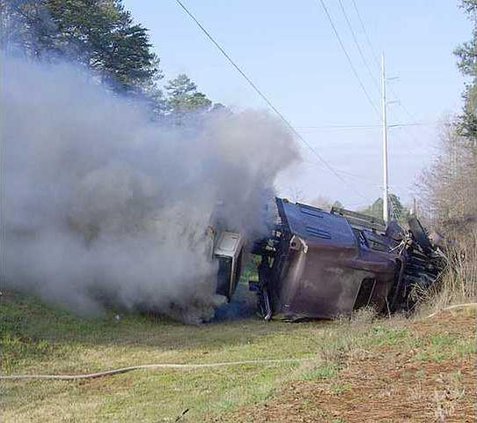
{"x": 321, "y": 265}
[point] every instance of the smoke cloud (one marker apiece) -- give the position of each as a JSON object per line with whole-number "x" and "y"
{"x": 102, "y": 205}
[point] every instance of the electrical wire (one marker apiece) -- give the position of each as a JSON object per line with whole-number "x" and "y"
{"x": 409, "y": 115}
{"x": 267, "y": 101}
{"x": 350, "y": 62}
{"x": 375, "y": 57}
{"x": 358, "y": 47}
{"x": 395, "y": 125}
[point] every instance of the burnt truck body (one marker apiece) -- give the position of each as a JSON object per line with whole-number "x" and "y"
{"x": 321, "y": 265}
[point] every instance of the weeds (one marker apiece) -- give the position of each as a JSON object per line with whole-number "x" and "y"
{"x": 451, "y": 391}
{"x": 324, "y": 371}
{"x": 458, "y": 284}
{"x": 42, "y": 339}
{"x": 16, "y": 349}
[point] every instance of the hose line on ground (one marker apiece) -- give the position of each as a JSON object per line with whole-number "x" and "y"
{"x": 151, "y": 366}
{"x": 184, "y": 366}
{"x": 452, "y": 307}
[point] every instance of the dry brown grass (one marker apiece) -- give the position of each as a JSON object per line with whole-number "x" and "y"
{"x": 422, "y": 371}
{"x": 458, "y": 284}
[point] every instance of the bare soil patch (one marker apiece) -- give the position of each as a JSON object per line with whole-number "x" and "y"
{"x": 431, "y": 378}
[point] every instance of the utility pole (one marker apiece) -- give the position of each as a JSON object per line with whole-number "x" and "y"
{"x": 385, "y": 145}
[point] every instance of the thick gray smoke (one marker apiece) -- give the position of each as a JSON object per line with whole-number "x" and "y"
{"x": 101, "y": 203}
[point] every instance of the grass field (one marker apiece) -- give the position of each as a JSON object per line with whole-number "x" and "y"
{"x": 345, "y": 364}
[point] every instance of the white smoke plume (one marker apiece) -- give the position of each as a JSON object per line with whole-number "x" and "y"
{"x": 101, "y": 203}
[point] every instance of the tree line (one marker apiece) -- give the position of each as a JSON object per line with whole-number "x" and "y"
{"x": 449, "y": 187}
{"x": 102, "y": 36}
{"x": 447, "y": 190}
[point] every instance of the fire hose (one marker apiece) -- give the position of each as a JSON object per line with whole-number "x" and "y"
{"x": 152, "y": 366}
{"x": 452, "y": 307}
{"x": 175, "y": 366}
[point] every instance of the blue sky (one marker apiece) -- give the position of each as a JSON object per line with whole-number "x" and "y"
{"x": 290, "y": 51}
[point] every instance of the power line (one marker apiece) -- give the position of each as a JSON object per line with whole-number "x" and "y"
{"x": 409, "y": 115}
{"x": 363, "y": 178}
{"x": 350, "y": 62}
{"x": 351, "y": 127}
{"x": 375, "y": 57}
{"x": 265, "y": 98}
{"x": 355, "y": 39}
{"x": 373, "y": 52}
{"x": 359, "y": 179}
{"x": 404, "y": 108}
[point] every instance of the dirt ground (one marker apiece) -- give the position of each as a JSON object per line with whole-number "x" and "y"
{"x": 363, "y": 369}
{"x": 389, "y": 383}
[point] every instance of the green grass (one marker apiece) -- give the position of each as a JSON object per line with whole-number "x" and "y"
{"x": 37, "y": 338}
{"x": 323, "y": 371}
{"x": 441, "y": 347}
